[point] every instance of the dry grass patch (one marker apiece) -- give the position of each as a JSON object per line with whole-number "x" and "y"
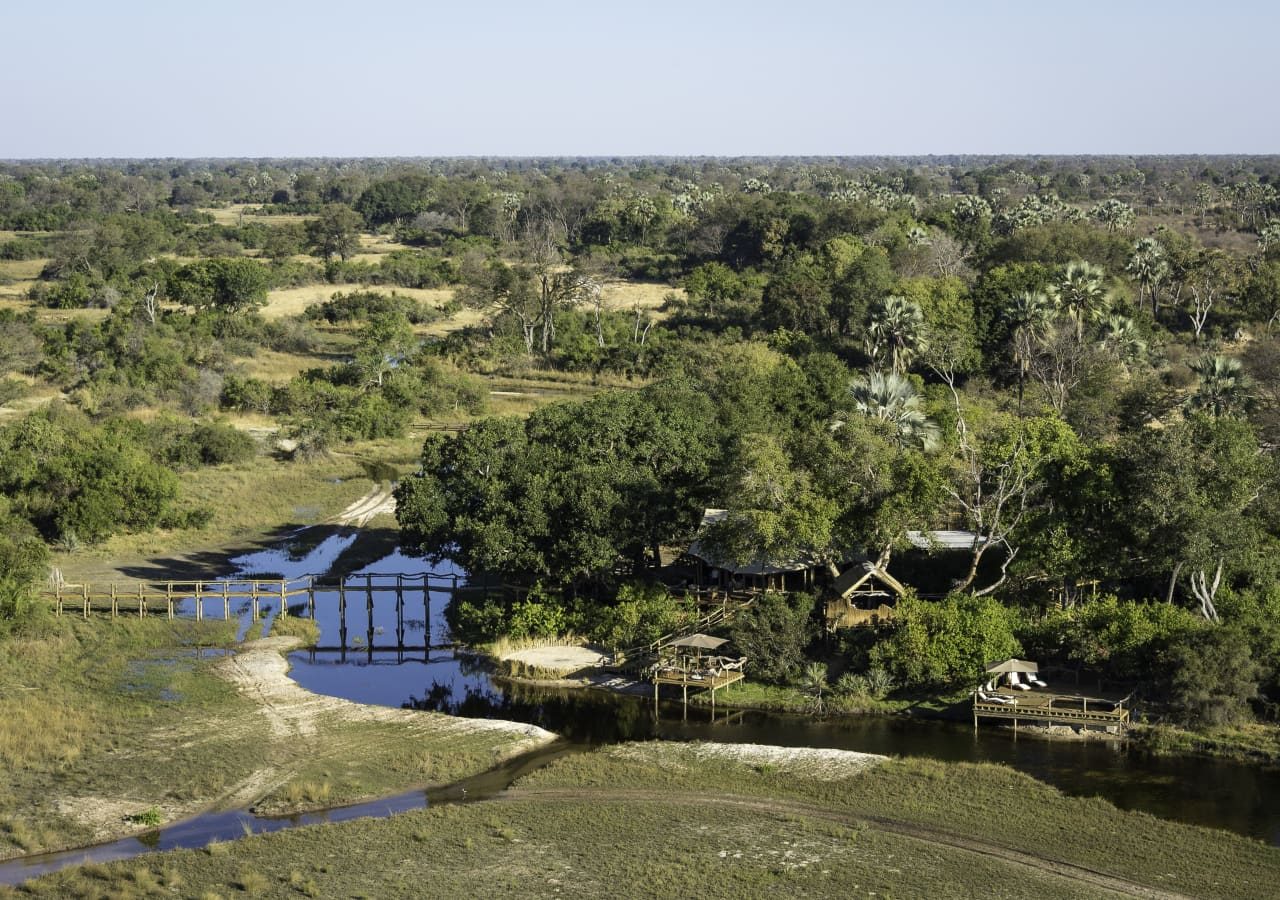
{"x": 21, "y": 269}
{"x": 278, "y": 367}
{"x": 627, "y": 295}
{"x": 295, "y": 301}
{"x": 232, "y": 214}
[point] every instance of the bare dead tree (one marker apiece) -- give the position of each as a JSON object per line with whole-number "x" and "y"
{"x": 151, "y": 303}
{"x": 1058, "y": 364}
{"x": 993, "y": 496}
{"x": 1206, "y": 591}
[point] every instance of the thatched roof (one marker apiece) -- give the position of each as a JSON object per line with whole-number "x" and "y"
{"x": 1011, "y": 665}
{"x": 756, "y": 566}
{"x": 856, "y": 577}
{"x": 700, "y": 641}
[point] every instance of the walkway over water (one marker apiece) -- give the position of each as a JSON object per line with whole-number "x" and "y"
{"x": 353, "y": 598}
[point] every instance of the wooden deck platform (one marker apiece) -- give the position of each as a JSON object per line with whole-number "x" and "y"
{"x": 1058, "y": 709}
{"x": 695, "y": 680}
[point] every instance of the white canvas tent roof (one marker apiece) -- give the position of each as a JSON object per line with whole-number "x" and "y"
{"x": 943, "y": 540}
{"x": 1012, "y": 665}
{"x": 755, "y": 567}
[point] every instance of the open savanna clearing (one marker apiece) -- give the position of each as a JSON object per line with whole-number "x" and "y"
{"x": 21, "y": 269}
{"x": 712, "y": 820}
{"x": 285, "y": 302}
{"x": 247, "y": 503}
{"x": 628, "y": 295}
{"x": 374, "y": 246}
{"x": 104, "y": 720}
{"x": 238, "y": 213}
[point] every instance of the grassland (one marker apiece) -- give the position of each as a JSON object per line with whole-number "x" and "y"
{"x": 284, "y": 302}
{"x": 248, "y": 503}
{"x": 105, "y": 720}
{"x": 669, "y": 820}
{"x": 232, "y": 213}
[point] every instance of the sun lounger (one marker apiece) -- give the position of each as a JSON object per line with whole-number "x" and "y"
{"x": 1035, "y": 679}
{"x": 996, "y": 698}
{"x": 1016, "y": 682}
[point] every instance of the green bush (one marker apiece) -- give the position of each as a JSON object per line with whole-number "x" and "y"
{"x": 945, "y": 643}
{"x": 1213, "y": 678}
{"x": 641, "y": 614}
{"x": 773, "y": 633}
{"x": 536, "y": 617}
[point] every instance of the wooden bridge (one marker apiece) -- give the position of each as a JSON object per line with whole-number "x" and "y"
{"x": 333, "y": 601}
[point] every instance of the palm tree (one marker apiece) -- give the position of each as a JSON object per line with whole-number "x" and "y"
{"x": 813, "y": 681}
{"x": 892, "y": 398}
{"x": 1149, "y": 266}
{"x": 895, "y": 327}
{"x": 1120, "y": 336}
{"x": 1224, "y": 386}
{"x": 1082, "y": 294}
{"x": 1031, "y": 316}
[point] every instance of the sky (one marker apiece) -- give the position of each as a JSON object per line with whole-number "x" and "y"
{"x": 278, "y": 78}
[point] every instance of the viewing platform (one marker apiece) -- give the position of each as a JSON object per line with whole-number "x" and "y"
{"x": 1058, "y": 709}
{"x": 1014, "y": 691}
{"x": 682, "y": 664}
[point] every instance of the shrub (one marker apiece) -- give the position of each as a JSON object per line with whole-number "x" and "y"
{"x": 945, "y": 643}
{"x": 772, "y": 633}
{"x": 536, "y": 617}
{"x": 1214, "y": 678}
{"x": 641, "y": 614}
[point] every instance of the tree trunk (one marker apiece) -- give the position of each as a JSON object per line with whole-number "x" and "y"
{"x": 1173, "y": 583}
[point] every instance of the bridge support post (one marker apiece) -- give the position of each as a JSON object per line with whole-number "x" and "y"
{"x": 342, "y": 616}
{"x": 368, "y": 603}
{"x": 400, "y": 612}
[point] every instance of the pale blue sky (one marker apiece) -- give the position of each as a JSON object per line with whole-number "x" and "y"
{"x": 565, "y": 77}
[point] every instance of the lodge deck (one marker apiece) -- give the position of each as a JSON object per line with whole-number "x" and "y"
{"x": 1044, "y": 706}
{"x": 712, "y": 681}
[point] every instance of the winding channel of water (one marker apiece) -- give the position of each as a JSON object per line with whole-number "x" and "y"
{"x": 1215, "y": 793}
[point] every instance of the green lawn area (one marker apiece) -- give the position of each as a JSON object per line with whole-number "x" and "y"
{"x": 664, "y": 820}
{"x": 103, "y": 720}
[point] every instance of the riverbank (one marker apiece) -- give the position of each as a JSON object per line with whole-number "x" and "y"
{"x": 717, "y": 821}
{"x": 557, "y": 666}
{"x": 108, "y": 728}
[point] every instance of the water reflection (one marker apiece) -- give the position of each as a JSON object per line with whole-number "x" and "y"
{"x": 442, "y": 678}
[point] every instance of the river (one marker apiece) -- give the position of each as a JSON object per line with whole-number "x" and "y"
{"x": 1217, "y": 793}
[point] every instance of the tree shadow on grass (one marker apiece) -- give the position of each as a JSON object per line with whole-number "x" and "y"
{"x": 215, "y": 562}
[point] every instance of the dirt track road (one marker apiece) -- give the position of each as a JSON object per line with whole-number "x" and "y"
{"x": 1068, "y": 871}
{"x": 376, "y": 502}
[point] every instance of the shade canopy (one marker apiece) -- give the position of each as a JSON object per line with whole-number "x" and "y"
{"x": 1011, "y": 665}
{"x": 700, "y": 641}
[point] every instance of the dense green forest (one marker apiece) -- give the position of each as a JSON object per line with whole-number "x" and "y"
{"x": 1075, "y": 359}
